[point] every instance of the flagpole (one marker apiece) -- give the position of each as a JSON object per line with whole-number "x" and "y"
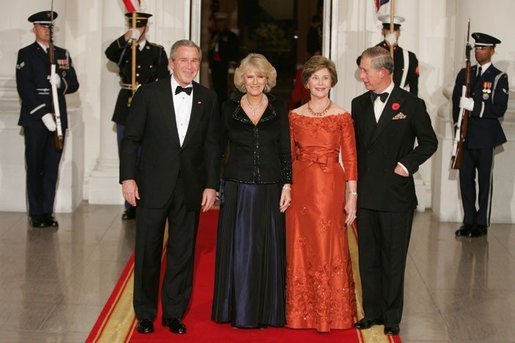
{"x": 392, "y": 10}
{"x": 134, "y": 43}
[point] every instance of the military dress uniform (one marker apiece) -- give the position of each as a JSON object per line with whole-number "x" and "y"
{"x": 151, "y": 65}
{"x": 489, "y": 90}
{"x": 399, "y": 60}
{"x": 34, "y": 88}
{"x": 223, "y": 48}
{"x": 405, "y": 72}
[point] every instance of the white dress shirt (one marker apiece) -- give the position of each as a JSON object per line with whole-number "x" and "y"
{"x": 379, "y": 105}
{"x": 182, "y": 104}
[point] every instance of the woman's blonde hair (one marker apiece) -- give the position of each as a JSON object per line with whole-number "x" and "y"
{"x": 261, "y": 66}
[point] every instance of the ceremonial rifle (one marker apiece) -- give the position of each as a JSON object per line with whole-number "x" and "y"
{"x": 463, "y": 117}
{"x": 55, "y": 110}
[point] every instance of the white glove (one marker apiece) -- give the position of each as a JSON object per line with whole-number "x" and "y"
{"x": 55, "y": 80}
{"x": 48, "y": 120}
{"x": 135, "y": 34}
{"x": 467, "y": 103}
{"x": 391, "y": 38}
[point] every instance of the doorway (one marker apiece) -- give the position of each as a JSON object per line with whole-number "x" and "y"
{"x": 286, "y": 32}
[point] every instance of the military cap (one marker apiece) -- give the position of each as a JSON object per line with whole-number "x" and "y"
{"x": 482, "y": 39}
{"x": 385, "y": 19}
{"x": 141, "y": 18}
{"x": 43, "y": 17}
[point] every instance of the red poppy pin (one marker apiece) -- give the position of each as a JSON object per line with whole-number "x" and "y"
{"x": 396, "y": 106}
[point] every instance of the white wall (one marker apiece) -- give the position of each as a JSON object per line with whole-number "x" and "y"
{"x": 434, "y": 30}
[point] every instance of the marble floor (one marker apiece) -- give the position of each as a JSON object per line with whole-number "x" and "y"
{"x": 54, "y": 282}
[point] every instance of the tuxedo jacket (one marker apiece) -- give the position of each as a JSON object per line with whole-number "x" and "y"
{"x": 161, "y": 160}
{"x": 32, "y": 82}
{"x": 380, "y": 146}
{"x": 490, "y": 94}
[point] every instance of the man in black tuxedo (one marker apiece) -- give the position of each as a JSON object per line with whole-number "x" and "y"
{"x": 487, "y": 103}
{"x": 175, "y": 121}
{"x": 387, "y": 120}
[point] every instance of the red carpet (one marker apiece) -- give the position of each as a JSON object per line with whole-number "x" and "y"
{"x": 116, "y": 323}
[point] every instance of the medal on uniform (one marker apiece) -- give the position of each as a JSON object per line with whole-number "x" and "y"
{"x": 487, "y": 90}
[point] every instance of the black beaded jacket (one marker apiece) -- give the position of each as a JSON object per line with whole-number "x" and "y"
{"x": 256, "y": 153}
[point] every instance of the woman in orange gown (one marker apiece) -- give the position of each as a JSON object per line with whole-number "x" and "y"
{"x": 319, "y": 282}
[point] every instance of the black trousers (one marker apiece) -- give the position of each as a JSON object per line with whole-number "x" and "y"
{"x": 383, "y": 239}
{"x": 480, "y": 161}
{"x": 42, "y": 162}
{"x": 178, "y": 278}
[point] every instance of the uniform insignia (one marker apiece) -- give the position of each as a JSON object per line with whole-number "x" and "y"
{"x": 487, "y": 90}
{"x": 63, "y": 64}
{"x": 20, "y": 65}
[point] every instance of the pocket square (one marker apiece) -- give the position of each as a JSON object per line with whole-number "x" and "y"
{"x": 399, "y": 116}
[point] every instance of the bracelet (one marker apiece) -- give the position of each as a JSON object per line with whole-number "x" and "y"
{"x": 354, "y": 194}
{"x": 287, "y": 187}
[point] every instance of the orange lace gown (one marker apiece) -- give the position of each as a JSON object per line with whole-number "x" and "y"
{"x": 319, "y": 282}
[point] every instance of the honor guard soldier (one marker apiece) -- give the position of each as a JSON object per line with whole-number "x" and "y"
{"x": 151, "y": 65}
{"x": 487, "y": 104}
{"x": 35, "y": 85}
{"x": 223, "y": 50}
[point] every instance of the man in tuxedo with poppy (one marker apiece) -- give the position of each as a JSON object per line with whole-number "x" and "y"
{"x": 387, "y": 121}
{"x": 169, "y": 169}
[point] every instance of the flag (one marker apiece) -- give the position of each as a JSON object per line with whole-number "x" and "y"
{"x": 380, "y": 3}
{"x": 131, "y": 5}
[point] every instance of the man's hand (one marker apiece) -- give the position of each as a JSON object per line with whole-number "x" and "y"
{"x": 391, "y": 38}
{"x": 55, "y": 80}
{"x": 400, "y": 171}
{"x": 208, "y": 199}
{"x": 130, "y": 191}
{"x": 48, "y": 120}
{"x": 132, "y": 34}
{"x": 467, "y": 103}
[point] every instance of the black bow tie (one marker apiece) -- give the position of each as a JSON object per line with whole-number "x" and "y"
{"x": 381, "y": 96}
{"x": 186, "y": 90}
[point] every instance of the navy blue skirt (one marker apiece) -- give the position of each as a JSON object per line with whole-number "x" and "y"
{"x": 250, "y": 257}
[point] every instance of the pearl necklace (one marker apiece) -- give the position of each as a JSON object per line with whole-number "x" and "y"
{"x": 322, "y": 113}
{"x": 252, "y": 108}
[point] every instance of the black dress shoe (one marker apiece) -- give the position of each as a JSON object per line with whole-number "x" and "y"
{"x": 129, "y": 213}
{"x": 37, "y": 221}
{"x": 366, "y": 323}
{"x": 465, "y": 230}
{"x": 145, "y": 326}
{"x": 478, "y": 231}
{"x": 175, "y": 325}
{"x": 50, "y": 221}
{"x": 391, "y": 330}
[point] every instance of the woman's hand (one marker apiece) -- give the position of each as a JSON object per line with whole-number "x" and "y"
{"x": 350, "y": 208}
{"x": 285, "y": 201}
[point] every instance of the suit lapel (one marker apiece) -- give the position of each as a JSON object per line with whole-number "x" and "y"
{"x": 387, "y": 115}
{"x": 196, "y": 111}
{"x": 170, "y": 118}
{"x": 40, "y": 52}
{"x": 364, "y": 118}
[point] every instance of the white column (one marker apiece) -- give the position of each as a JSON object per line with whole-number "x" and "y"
{"x": 492, "y": 20}
{"x": 103, "y": 184}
